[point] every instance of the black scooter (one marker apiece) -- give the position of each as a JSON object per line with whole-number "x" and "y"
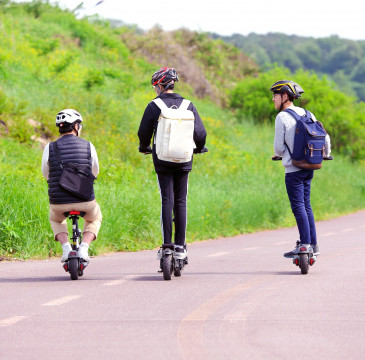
{"x": 74, "y": 264}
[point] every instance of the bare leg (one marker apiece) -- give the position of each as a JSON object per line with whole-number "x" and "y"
{"x": 62, "y": 238}
{"x": 88, "y": 237}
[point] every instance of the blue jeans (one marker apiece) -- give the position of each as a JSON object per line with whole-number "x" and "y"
{"x": 298, "y": 187}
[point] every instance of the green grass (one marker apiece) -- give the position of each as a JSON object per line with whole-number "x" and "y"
{"x": 233, "y": 189}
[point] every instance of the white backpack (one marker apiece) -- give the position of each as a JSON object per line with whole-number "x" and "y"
{"x": 175, "y": 130}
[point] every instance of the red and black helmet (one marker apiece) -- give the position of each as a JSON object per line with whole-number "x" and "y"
{"x": 166, "y": 77}
{"x": 287, "y": 87}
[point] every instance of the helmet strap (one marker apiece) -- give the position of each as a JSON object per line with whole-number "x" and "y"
{"x": 77, "y": 131}
{"x": 283, "y": 102}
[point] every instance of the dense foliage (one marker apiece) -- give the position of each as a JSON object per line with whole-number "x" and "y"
{"x": 341, "y": 59}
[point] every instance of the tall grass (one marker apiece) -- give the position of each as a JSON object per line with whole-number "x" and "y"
{"x": 234, "y": 188}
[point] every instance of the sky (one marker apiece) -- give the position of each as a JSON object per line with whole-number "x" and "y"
{"x": 314, "y": 18}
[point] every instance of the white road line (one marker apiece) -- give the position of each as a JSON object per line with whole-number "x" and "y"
{"x": 282, "y": 243}
{"x": 218, "y": 254}
{"x": 328, "y": 234}
{"x": 114, "y": 282}
{"x": 11, "y": 321}
{"x": 119, "y": 281}
{"x": 348, "y": 229}
{"x": 62, "y": 300}
{"x": 251, "y": 248}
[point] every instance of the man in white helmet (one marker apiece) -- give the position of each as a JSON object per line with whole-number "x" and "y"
{"x": 79, "y": 151}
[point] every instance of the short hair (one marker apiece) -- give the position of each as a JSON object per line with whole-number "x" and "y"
{"x": 66, "y": 127}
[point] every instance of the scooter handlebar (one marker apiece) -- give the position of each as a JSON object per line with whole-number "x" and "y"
{"x": 277, "y": 158}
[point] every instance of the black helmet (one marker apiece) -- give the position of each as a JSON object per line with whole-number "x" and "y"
{"x": 287, "y": 87}
{"x": 166, "y": 77}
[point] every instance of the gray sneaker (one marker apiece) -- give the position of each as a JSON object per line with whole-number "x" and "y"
{"x": 315, "y": 250}
{"x": 294, "y": 252}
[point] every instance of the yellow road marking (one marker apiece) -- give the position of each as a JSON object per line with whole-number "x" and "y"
{"x": 191, "y": 330}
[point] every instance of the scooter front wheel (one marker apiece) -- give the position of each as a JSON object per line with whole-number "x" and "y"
{"x": 304, "y": 263}
{"x": 73, "y": 268}
{"x": 167, "y": 267}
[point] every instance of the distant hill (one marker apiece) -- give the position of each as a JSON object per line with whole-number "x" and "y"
{"x": 342, "y": 60}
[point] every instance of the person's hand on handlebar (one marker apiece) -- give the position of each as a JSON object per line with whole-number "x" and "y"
{"x": 145, "y": 150}
{"x": 200, "y": 151}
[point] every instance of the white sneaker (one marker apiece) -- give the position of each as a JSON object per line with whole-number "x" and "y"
{"x": 83, "y": 252}
{"x": 180, "y": 253}
{"x": 66, "y": 250}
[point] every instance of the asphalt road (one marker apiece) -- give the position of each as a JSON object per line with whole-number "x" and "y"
{"x": 238, "y": 298}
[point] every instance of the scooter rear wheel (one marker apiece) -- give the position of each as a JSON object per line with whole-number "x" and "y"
{"x": 73, "y": 265}
{"x": 167, "y": 267}
{"x": 304, "y": 263}
{"x": 179, "y": 265}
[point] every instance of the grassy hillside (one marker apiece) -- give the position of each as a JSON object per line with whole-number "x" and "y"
{"x": 51, "y": 61}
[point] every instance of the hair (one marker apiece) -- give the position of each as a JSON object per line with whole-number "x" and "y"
{"x": 66, "y": 127}
{"x": 169, "y": 86}
{"x": 290, "y": 97}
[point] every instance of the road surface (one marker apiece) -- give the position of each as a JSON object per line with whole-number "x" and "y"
{"x": 238, "y": 298}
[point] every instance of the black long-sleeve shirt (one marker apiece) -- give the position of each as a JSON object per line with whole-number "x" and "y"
{"x": 148, "y": 128}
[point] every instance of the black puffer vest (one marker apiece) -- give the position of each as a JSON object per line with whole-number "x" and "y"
{"x": 72, "y": 149}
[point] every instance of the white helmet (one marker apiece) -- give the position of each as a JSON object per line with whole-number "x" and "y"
{"x": 68, "y": 116}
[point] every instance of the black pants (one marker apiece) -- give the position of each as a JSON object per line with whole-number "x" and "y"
{"x": 174, "y": 192}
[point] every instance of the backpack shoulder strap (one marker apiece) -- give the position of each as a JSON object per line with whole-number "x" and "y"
{"x": 309, "y": 115}
{"x": 160, "y": 103}
{"x": 184, "y": 105}
{"x": 296, "y": 117}
{"x": 293, "y": 114}
{"x": 57, "y": 152}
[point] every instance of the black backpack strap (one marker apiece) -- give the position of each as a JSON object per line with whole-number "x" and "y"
{"x": 57, "y": 152}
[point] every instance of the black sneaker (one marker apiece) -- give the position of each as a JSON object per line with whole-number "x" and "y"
{"x": 315, "y": 249}
{"x": 294, "y": 252}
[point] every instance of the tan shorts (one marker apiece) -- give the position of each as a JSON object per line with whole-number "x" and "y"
{"x": 92, "y": 217}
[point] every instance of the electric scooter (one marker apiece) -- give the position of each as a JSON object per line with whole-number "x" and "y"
{"x": 170, "y": 261}
{"x": 74, "y": 264}
{"x": 305, "y": 256}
